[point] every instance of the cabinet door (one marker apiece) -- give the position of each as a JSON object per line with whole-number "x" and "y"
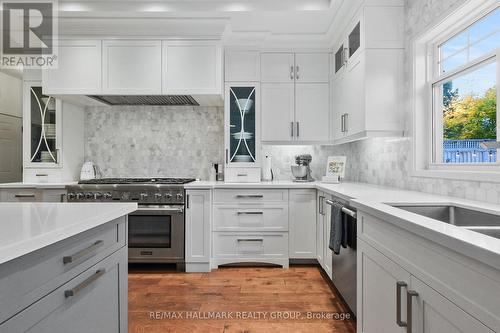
{"x": 277, "y": 67}
{"x": 191, "y": 68}
{"x": 312, "y": 67}
{"x": 327, "y": 253}
{"x": 94, "y": 301}
{"x": 377, "y": 292}
{"x": 320, "y": 225}
{"x": 338, "y": 99}
{"x": 242, "y": 116}
{"x": 42, "y": 127}
{"x": 433, "y": 313}
{"x": 354, "y": 97}
{"x": 242, "y": 65}
{"x": 78, "y": 70}
{"x": 302, "y": 219}
{"x": 131, "y": 67}
{"x": 198, "y": 212}
{"x": 278, "y": 104}
{"x": 312, "y": 111}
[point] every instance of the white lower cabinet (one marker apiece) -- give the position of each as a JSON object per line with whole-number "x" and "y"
{"x": 323, "y": 227}
{"x": 198, "y": 230}
{"x": 302, "y": 207}
{"x": 401, "y": 290}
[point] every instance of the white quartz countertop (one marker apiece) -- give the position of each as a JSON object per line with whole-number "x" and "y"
{"x": 377, "y": 200}
{"x": 28, "y": 227}
{"x": 37, "y": 185}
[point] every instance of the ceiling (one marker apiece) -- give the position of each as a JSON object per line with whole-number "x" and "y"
{"x": 261, "y": 23}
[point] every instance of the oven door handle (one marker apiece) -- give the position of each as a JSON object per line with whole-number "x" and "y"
{"x": 159, "y": 210}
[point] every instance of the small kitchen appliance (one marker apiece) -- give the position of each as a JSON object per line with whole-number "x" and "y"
{"x": 302, "y": 171}
{"x": 89, "y": 171}
{"x": 267, "y": 169}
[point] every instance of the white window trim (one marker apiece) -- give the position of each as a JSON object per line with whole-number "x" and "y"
{"x": 424, "y": 76}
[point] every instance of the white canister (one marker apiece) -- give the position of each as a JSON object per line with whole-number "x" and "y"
{"x": 267, "y": 169}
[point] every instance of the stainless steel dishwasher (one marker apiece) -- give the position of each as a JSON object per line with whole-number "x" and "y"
{"x": 344, "y": 264}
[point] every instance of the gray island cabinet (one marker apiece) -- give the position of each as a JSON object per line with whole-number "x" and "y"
{"x": 77, "y": 284}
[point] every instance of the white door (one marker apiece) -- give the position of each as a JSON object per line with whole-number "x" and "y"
{"x": 433, "y": 313}
{"x": 191, "y": 68}
{"x": 354, "y": 97}
{"x": 378, "y": 277}
{"x": 78, "y": 69}
{"x": 312, "y": 111}
{"x": 277, "y": 67}
{"x": 312, "y": 67}
{"x": 278, "y": 104}
{"x": 131, "y": 67}
{"x": 302, "y": 210}
{"x": 327, "y": 253}
{"x": 320, "y": 225}
{"x": 198, "y": 233}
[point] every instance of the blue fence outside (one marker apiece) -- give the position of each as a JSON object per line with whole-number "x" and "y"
{"x": 467, "y": 151}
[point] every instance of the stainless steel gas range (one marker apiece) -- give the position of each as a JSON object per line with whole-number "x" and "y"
{"x": 156, "y": 229}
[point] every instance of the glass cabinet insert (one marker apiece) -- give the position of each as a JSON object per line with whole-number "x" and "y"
{"x": 43, "y": 144}
{"x": 242, "y": 125}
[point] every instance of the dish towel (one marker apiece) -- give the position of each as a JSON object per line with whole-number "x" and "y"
{"x": 336, "y": 228}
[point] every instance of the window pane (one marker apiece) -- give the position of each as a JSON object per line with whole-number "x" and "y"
{"x": 453, "y": 62}
{"x": 470, "y": 116}
{"x": 485, "y": 46}
{"x": 454, "y": 45}
{"x": 485, "y": 26}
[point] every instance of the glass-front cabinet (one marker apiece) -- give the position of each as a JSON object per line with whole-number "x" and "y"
{"x": 242, "y": 130}
{"x": 42, "y": 127}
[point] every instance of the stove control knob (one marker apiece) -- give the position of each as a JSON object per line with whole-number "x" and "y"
{"x": 144, "y": 196}
{"x": 79, "y": 196}
{"x": 168, "y": 196}
{"x": 107, "y": 195}
{"x": 125, "y": 195}
{"x": 71, "y": 196}
{"x": 158, "y": 196}
{"x": 89, "y": 195}
{"x": 97, "y": 195}
{"x": 179, "y": 196}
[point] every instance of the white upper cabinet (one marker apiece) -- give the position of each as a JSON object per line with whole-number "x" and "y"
{"x": 311, "y": 67}
{"x": 278, "y": 99}
{"x": 242, "y": 66}
{"x": 312, "y": 112}
{"x": 78, "y": 70}
{"x": 131, "y": 67}
{"x": 192, "y": 68}
{"x": 277, "y": 67}
{"x": 295, "y": 97}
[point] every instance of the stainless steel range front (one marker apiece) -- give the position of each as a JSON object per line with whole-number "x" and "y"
{"x": 156, "y": 229}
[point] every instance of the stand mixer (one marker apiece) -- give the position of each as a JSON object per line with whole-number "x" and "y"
{"x": 302, "y": 171}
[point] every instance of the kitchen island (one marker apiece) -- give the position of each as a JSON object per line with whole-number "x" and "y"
{"x": 63, "y": 267}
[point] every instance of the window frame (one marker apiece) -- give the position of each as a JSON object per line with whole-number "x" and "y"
{"x": 426, "y": 74}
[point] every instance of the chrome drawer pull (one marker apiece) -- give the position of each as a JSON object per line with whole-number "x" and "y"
{"x": 24, "y": 196}
{"x": 42, "y": 174}
{"x": 250, "y": 239}
{"x": 250, "y": 213}
{"x": 84, "y": 284}
{"x": 409, "y": 309}
{"x": 249, "y": 196}
{"x": 82, "y": 253}
{"x": 242, "y": 174}
{"x": 399, "y": 286}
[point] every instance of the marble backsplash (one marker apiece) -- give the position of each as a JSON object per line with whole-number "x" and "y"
{"x": 154, "y": 141}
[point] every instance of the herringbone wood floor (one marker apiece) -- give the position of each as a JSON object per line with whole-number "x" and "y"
{"x": 229, "y": 291}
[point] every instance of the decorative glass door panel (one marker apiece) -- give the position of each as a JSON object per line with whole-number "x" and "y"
{"x": 43, "y": 127}
{"x": 242, "y": 124}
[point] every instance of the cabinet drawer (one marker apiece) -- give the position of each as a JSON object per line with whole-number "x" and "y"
{"x": 251, "y": 219}
{"x": 20, "y": 195}
{"x": 242, "y": 175}
{"x": 29, "y": 278}
{"x": 251, "y": 195}
{"x": 250, "y": 245}
{"x": 94, "y": 301}
{"x": 42, "y": 175}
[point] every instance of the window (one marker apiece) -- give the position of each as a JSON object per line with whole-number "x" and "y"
{"x": 464, "y": 94}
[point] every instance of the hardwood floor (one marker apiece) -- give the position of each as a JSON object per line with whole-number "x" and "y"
{"x": 227, "y": 295}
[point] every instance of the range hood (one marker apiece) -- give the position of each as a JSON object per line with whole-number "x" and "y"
{"x": 159, "y": 100}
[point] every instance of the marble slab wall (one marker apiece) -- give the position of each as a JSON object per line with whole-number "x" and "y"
{"x": 151, "y": 141}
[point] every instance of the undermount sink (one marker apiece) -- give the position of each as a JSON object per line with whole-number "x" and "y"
{"x": 485, "y": 223}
